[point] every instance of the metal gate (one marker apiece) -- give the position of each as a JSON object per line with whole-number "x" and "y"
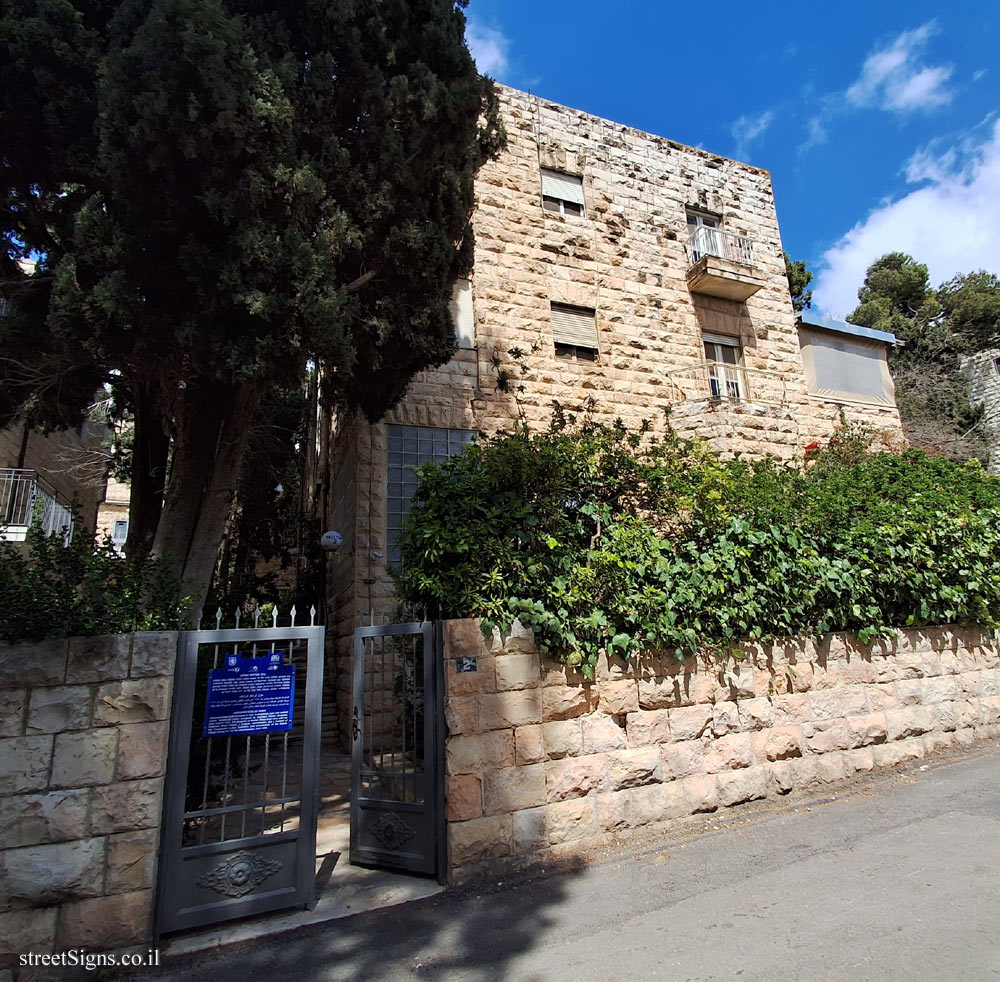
{"x": 239, "y": 819}
{"x": 397, "y": 793}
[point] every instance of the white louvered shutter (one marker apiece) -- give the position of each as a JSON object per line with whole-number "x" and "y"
{"x": 462, "y": 313}
{"x": 574, "y": 325}
{"x": 565, "y": 187}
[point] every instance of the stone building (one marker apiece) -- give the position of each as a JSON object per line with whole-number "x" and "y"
{"x": 983, "y": 372}
{"x": 635, "y": 276}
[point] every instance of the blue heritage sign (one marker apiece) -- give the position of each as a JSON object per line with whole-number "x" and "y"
{"x": 249, "y": 695}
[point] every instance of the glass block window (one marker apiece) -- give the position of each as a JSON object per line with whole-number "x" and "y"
{"x": 409, "y": 447}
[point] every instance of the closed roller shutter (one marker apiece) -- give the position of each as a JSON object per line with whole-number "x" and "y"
{"x": 574, "y": 325}
{"x": 565, "y": 187}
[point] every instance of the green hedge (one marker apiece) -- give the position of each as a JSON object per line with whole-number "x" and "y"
{"x": 596, "y": 537}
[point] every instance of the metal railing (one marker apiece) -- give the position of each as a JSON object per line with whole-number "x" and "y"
{"x": 24, "y": 496}
{"x": 707, "y": 241}
{"x": 715, "y": 380}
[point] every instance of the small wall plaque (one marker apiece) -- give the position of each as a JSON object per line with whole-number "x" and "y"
{"x": 465, "y": 665}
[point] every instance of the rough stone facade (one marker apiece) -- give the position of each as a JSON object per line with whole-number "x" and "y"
{"x": 543, "y": 764}
{"x": 983, "y": 374}
{"x": 83, "y": 739}
{"x": 627, "y": 259}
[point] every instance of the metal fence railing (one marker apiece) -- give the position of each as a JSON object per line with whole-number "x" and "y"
{"x": 24, "y": 496}
{"x": 707, "y": 241}
{"x": 715, "y": 380}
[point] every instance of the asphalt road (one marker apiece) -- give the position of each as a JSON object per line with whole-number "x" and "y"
{"x": 893, "y": 879}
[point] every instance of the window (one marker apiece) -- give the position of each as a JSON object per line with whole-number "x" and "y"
{"x": 562, "y": 193}
{"x": 725, "y": 373}
{"x": 846, "y": 368}
{"x": 703, "y": 235}
{"x": 574, "y": 331}
{"x": 409, "y": 447}
{"x": 996, "y": 365}
{"x": 462, "y": 314}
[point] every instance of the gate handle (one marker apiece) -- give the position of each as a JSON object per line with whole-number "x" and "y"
{"x": 355, "y": 726}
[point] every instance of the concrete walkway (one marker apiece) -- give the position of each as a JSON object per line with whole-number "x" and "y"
{"x": 891, "y": 878}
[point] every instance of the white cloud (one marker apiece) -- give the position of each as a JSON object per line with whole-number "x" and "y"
{"x": 818, "y": 134}
{"x": 748, "y": 128}
{"x": 952, "y": 223}
{"x": 894, "y": 79}
{"x": 489, "y": 48}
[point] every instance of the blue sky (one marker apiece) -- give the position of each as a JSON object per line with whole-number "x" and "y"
{"x": 879, "y": 121}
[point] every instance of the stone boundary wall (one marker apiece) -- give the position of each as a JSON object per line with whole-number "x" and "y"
{"x": 545, "y": 765}
{"x": 83, "y": 744}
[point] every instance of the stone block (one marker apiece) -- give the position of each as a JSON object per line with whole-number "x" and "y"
{"x": 43, "y": 663}
{"x": 483, "y": 679}
{"x": 29, "y": 929}
{"x": 832, "y": 767}
{"x": 463, "y": 797}
{"x": 519, "y": 639}
{"x": 632, "y": 768}
{"x": 869, "y": 729}
{"x": 739, "y": 679}
{"x": 989, "y": 709}
{"x": 702, "y": 793}
{"x": 461, "y": 713}
{"x": 131, "y": 862}
{"x": 509, "y": 789}
{"x": 779, "y": 743}
{"x": 32, "y": 819}
{"x": 725, "y": 718}
{"x": 909, "y": 691}
{"x": 947, "y": 716}
{"x": 859, "y": 761}
{"x": 891, "y": 754}
{"x": 792, "y": 709}
{"x": 703, "y": 686}
{"x": 60, "y": 708}
{"x": 132, "y": 701}
{"x": 826, "y": 736}
{"x": 689, "y": 722}
{"x": 517, "y": 671}
{"x": 659, "y": 693}
{"x": 99, "y": 659}
{"x": 966, "y": 712}
{"x": 910, "y": 664}
{"x": 885, "y": 669}
{"x": 142, "y": 750}
{"x": 26, "y": 763}
{"x": 502, "y": 710}
{"x": 648, "y": 727}
{"x": 107, "y": 922}
{"x": 618, "y": 697}
{"x": 728, "y": 752}
{"x": 575, "y": 776}
{"x": 611, "y": 667}
{"x": 154, "y": 653}
{"x": 84, "y": 758}
{"x": 126, "y": 807}
{"x": 464, "y": 638}
{"x": 13, "y": 706}
{"x": 909, "y": 722}
{"x": 845, "y": 701}
{"x": 934, "y": 742}
{"x": 570, "y": 820}
{"x": 755, "y": 714}
{"x": 567, "y": 701}
{"x": 529, "y": 744}
{"x": 602, "y": 734}
{"x": 473, "y": 752}
{"x": 747, "y": 784}
{"x": 53, "y": 873}
{"x": 883, "y": 697}
{"x": 531, "y": 831}
{"x": 682, "y": 759}
{"x": 801, "y": 676}
{"x": 564, "y": 737}
{"x": 480, "y": 839}
{"x": 826, "y": 675}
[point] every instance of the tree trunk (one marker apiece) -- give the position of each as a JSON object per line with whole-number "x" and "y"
{"x": 150, "y": 451}
{"x": 212, "y": 425}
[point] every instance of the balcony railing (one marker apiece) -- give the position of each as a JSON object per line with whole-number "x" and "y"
{"x": 713, "y": 380}
{"x": 707, "y": 241}
{"x": 24, "y": 496}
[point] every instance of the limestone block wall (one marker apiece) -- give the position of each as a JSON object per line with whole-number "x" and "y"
{"x": 83, "y": 743}
{"x": 543, "y": 764}
{"x": 984, "y": 390}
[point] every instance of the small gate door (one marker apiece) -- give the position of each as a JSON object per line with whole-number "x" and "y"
{"x": 396, "y": 778}
{"x": 239, "y": 819}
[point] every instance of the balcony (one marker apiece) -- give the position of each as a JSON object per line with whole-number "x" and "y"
{"x": 25, "y": 497}
{"x": 723, "y": 264}
{"x": 718, "y": 382}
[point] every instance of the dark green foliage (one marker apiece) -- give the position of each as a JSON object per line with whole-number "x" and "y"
{"x": 600, "y": 538}
{"x": 51, "y": 591}
{"x": 799, "y": 277}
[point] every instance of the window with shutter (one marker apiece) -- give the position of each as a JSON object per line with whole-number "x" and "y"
{"x": 843, "y": 368}
{"x": 562, "y": 193}
{"x": 574, "y": 331}
{"x": 462, "y": 313}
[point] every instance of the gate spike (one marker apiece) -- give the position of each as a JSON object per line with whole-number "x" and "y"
{"x": 218, "y": 619}
{"x": 274, "y": 616}
{"x": 197, "y": 620}
{"x": 292, "y": 615}
{"x": 238, "y": 612}
{"x": 256, "y": 617}
{"x": 312, "y": 616}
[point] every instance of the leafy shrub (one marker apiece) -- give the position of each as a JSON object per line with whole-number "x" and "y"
{"x": 600, "y": 538}
{"x": 51, "y": 591}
